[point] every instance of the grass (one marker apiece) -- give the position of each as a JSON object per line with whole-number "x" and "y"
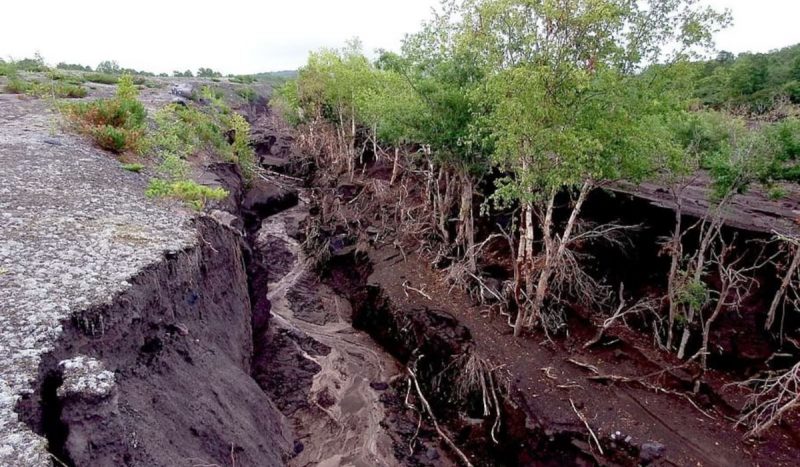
{"x": 186, "y": 131}
{"x": 102, "y": 78}
{"x": 189, "y": 191}
{"x": 248, "y": 94}
{"x": 134, "y": 167}
{"x": 18, "y": 85}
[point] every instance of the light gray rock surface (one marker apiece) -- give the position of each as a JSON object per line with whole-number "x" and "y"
{"x": 74, "y": 227}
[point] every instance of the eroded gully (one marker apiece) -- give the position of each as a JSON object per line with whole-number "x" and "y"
{"x": 339, "y": 423}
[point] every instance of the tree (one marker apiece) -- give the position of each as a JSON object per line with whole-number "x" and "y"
{"x": 108, "y": 66}
{"x": 208, "y": 73}
{"x": 572, "y": 110}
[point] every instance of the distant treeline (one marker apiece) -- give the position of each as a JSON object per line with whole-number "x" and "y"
{"x": 752, "y": 81}
{"x": 112, "y": 67}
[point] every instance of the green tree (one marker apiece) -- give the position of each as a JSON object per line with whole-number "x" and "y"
{"x": 108, "y": 66}
{"x": 572, "y": 110}
{"x": 208, "y": 73}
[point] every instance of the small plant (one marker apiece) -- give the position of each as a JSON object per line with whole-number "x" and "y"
{"x": 243, "y": 79}
{"x": 777, "y": 192}
{"x": 191, "y": 192}
{"x": 248, "y": 94}
{"x": 16, "y": 85}
{"x": 134, "y": 167}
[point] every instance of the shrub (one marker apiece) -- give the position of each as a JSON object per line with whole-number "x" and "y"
{"x": 56, "y": 89}
{"x": 115, "y": 124}
{"x": 243, "y": 79}
{"x": 191, "y": 192}
{"x": 101, "y": 78}
{"x": 17, "y": 86}
{"x": 248, "y": 94}
{"x": 133, "y": 167}
{"x": 777, "y": 192}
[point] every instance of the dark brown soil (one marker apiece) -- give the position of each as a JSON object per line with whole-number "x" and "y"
{"x": 644, "y": 406}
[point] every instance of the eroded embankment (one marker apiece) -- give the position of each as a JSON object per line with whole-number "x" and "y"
{"x": 476, "y": 403}
{"x": 160, "y": 375}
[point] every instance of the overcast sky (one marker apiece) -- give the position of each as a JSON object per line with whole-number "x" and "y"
{"x": 245, "y": 36}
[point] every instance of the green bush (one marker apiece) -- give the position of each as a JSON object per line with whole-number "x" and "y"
{"x": 111, "y": 138}
{"x": 56, "y": 89}
{"x": 116, "y": 124}
{"x": 17, "y": 86}
{"x": 102, "y": 78}
{"x": 133, "y": 167}
{"x": 248, "y": 94}
{"x": 191, "y": 192}
{"x": 243, "y": 79}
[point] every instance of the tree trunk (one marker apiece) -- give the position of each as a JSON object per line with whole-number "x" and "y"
{"x": 525, "y": 315}
{"x": 707, "y": 326}
{"x": 552, "y": 258}
{"x": 676, "y": 252}
{"x": 466, "y": 235}
{"x": 396, "y": 166}
{"x": 787, "y": 279}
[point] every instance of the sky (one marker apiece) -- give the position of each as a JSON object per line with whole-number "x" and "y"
{"x": 246, "y": 36}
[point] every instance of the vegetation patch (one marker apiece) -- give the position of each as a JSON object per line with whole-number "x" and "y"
{"x": 133, "y": 167}
{"x": 189, "y": 191}
{"x": 115, "y": 124}
{"x": 102, "y": 78}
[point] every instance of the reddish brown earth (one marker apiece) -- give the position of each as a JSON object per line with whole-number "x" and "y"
{"x": 549, "y": 381}
{"x": 634, "y": 397}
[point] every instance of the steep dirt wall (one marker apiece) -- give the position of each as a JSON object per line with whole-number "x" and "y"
{"x": 160, "y": 375}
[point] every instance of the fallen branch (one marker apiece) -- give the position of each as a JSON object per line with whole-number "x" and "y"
{"x": 586, "y": 423}
{"x": 407, "y": 287}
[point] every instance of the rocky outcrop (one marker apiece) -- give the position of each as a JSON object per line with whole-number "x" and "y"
{"x": 125, "y": 323}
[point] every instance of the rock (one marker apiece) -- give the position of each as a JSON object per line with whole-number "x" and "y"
{"x": 179, "y": 101}
{"x": 298, "y": 447}
{"x": 264, "y": 199}
{"x": 651, "y": 451}
{"x": 275, "y": 164}
{"x": 227, "y": 219}
{"x": 379, "y": 385}
{"x": 432, "y": 454}
{"x": 184, "y": 90}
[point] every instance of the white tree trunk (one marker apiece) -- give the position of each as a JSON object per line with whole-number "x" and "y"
{"x": 395, "y": 167}
{"x": 787, "y": 279}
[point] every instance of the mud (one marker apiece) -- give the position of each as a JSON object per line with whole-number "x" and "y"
{"x": 321, "y": 371}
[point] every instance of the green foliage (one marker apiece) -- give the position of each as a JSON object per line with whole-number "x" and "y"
{"x": 184, "y": 131}
{"x": 115, "y": 124}
{"x": 750, "y": 81}
{"x": 243, "y": 79}
{"x": 564, "y": 112}
{"x": 102, "y": 78}
{"x": 17, "y": 85}
{"x": 249, "y": 94}
{"x": 191, "y": 192}
{"x": 34, "y": 65}
{"x": 208, "y": 73}
{"x": 73, "y": 67}
{"x": 110, "y": 67}
{"x": 693, "y": 294}
{"x": 59, "y": 86}
{"x": 185, "y": 74}
{"x": 777, "y": 192}
{"x": 133, "y": 167}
